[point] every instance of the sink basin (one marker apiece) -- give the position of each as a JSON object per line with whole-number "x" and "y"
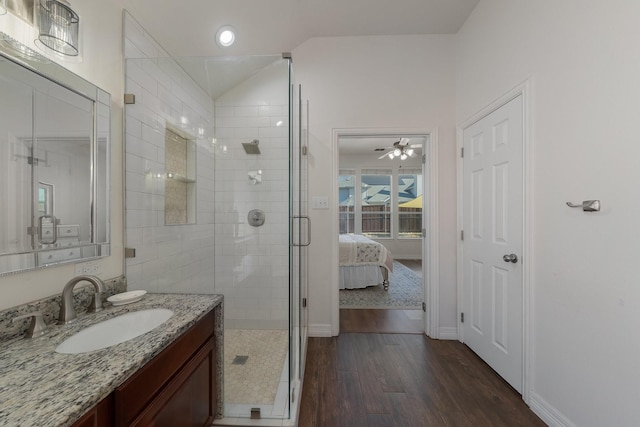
{"x": 114, "y": 331}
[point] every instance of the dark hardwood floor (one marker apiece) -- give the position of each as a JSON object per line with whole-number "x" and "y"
{"x": 404, "y": 380}
{"x": 382, "y": 321}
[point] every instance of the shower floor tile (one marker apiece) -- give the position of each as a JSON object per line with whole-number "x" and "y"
{"x": 257, "y": 380}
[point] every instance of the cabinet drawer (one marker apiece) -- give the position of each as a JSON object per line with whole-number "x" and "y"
{"x": 47, "y": 257}
{"x": 68, "y": 231}
{"x": 144, "y": 386}
{"x": 67, "y": 241}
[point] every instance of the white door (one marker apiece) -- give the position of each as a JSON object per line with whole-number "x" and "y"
{"x": 493, "y": 240}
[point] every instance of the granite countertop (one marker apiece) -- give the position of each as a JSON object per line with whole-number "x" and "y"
{"x": 39, "y": 387}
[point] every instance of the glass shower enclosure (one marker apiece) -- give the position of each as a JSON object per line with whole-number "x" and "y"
{"x": 216, "y": 196}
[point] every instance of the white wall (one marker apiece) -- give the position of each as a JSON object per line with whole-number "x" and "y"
{"x": 376, "y": 82}
{"x": 101, "y": 24}
{"x": 584, "y": 62}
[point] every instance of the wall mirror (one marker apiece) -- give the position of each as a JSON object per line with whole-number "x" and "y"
{"x": 54, "y": 163}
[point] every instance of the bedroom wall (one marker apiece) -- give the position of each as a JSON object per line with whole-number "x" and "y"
{"x": 101, "y": 26}
{"x": 583, "y": 61}
{"x": 376, "y": 82}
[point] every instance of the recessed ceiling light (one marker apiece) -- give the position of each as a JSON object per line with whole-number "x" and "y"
{"x": 226, "y": 36}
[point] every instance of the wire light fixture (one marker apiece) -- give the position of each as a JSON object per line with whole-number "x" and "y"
{"x": 58, "y": 27}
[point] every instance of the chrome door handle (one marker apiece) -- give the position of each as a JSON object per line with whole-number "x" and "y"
{"x": 510, "y": 258}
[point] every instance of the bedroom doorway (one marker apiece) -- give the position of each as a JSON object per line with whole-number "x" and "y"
{"x": 385, "y": 192}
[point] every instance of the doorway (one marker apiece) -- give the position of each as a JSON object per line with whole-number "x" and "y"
{"x": 385, "y": 191}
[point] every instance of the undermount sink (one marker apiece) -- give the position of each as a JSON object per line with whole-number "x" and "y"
{"x": 114, "y": 331}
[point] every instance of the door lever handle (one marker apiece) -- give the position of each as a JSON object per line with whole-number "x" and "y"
{"x": 510, "y": 258}
{"x": 587, "y": 205}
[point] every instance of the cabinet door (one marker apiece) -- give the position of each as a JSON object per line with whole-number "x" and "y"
{"x": 145, "y": 386}
{"x": 189, "y": 399}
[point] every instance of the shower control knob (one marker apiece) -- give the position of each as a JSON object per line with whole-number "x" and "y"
{"x": 255, "y": 218}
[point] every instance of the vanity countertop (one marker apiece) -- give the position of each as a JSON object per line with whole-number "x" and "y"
{"x": 39, "y": 387}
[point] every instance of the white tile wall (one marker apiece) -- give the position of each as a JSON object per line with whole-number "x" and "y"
{"x": 252, "y": 262}
{"x": 168, "y": 258}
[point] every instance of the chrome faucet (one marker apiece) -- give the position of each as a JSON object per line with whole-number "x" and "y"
{"x": 67, "y": 312}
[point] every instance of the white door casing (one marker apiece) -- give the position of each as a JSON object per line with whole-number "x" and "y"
{"x": 493, "y": 225}
{"x": 430, "y": 248}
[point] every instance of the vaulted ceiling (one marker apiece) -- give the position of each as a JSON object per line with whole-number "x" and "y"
{"x": 188, "y": 27}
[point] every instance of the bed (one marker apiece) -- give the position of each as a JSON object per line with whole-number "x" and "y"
{"x": 363, "y": 262}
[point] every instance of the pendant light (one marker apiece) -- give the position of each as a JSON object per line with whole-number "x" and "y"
{"x": 58, "y": 27}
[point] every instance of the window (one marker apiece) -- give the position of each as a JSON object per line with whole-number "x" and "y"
{"x": 347, "y": 201}
{"x": 376, "y": 204}
{"x": 410, "y": 205}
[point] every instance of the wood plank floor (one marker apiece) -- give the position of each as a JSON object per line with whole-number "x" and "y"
{"x": 382, "y": 321}
{"x": 404, "y": 380}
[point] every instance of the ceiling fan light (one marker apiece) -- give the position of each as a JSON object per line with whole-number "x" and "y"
{"x": 391, "y": 156}
{"x": 410, "y": 152}
{"x": 403, "y": 157}
{"x": 397, "y": 152}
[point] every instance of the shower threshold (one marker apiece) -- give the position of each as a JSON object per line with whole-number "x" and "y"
{"x": 271, "y": 415}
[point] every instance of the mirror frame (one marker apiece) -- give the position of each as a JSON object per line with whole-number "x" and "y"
{"x": 31, "y": 61}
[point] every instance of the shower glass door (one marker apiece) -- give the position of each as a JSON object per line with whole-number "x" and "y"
{"x": 300, "y": 239}
{"x": 238, "y": 115}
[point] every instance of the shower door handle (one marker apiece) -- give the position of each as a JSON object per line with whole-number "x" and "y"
{"x": 301, "y": 217}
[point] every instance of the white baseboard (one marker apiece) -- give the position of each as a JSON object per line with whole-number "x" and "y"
{"x": 548, "y": 413}
{"x": 448, "y": 333}
{"x": 319, "y": 330}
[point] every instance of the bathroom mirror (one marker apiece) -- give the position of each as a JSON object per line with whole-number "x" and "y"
{"x": 54, "y": 163}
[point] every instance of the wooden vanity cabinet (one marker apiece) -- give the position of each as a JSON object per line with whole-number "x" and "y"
{"x": 99, "y": 416}
{"x": 176, "y": 388}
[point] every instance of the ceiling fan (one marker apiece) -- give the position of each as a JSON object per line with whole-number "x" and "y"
{"x": 402, "y": 149}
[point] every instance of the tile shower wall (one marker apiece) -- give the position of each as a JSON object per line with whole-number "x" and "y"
{"x": 252, "y": 262}
{"x": 177, "y": 258}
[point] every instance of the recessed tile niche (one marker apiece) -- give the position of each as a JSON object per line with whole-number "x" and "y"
{"x": 180, "y": 183}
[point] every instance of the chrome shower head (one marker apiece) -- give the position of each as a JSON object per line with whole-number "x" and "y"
{"x": 251, "y": 147}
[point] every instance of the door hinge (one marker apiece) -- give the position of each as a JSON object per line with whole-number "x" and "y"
{"x": 462, "y": 152}
{"x": 424, "y": 232}
{"x": 461, "y": 317}
{"x": 424, "y": 307}
{"x": 461, "y": 234}
{"x": 304, "y": 302}
{"x": 424, "y": 159}
{"x": 129, "y": 252}
{"x": 129, "y": 98}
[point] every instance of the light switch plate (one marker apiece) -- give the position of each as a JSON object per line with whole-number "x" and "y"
{"x": 92, "y": 268}
{"x": 320, "y": 202}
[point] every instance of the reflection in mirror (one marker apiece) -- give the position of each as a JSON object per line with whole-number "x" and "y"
{"x": 54, "y": 162}
{"x": 45, "y": 198}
